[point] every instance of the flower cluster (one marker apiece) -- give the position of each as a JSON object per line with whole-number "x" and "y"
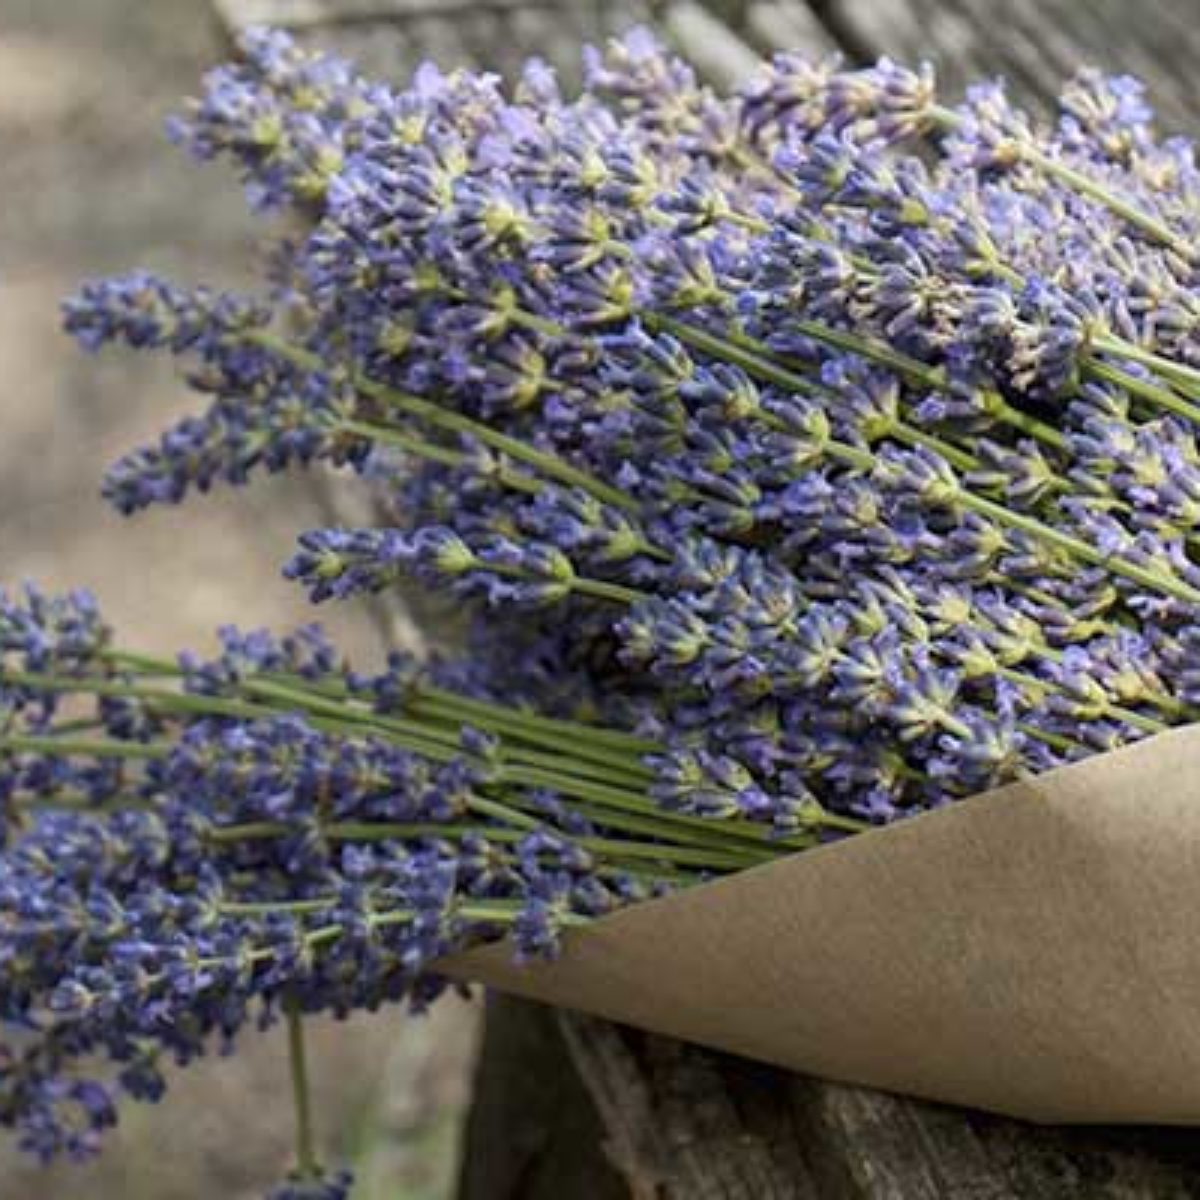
{"x": 818, "y": 453}
{"x": 195, "y": 845}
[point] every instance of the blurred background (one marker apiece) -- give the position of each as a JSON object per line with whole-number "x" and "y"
{"x": 90, "y": 187}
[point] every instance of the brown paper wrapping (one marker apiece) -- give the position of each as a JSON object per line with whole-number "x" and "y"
{"x": 1034, "y": 951}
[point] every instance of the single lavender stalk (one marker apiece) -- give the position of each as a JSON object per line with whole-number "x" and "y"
{"x": 308, "y": 1168}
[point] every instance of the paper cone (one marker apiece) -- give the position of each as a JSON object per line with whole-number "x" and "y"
{"x": 1034, "y": 951}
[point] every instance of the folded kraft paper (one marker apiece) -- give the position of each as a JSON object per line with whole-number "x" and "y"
{"x": 1034, "y": 951}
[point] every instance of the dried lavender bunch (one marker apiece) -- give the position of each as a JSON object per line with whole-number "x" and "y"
{"x": 826, "y": 451}
{"x": 191, "y": 846}
{"x": 813, "y": 423}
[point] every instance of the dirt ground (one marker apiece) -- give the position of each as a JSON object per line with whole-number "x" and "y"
{"x": 90, "y": 186}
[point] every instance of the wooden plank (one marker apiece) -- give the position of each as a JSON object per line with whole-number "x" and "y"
{"x": 307, "y": 14}
{"x": 771, "y": 25}
{"x": 711, "y": 45}
{"x": 533, "y": 1132}
{"x": 1035, "y": 43}
{"x": 390, "y": 37}
{"x": 724, "y": 42}
{"x": 682, "y": 1123}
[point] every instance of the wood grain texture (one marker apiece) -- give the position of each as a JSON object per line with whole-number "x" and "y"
{"x": 682, "y": 1123}
{"x": 309, "y": 14}
{"x": 391, "y": 37}
{"x": 1034, "y": 43}
{"x": 771, "y": 25}
{"x": 533, "y": 1133}
{"x": 714, "y": 47}
{"x": 706, "y": 1126}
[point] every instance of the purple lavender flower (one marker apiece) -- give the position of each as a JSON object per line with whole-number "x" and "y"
{"x": 329, "y": 1186}
{"x": 811, "y": 477}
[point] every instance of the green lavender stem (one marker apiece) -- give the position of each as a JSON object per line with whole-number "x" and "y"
{"x": 483, "y": 713}
{"x": 683, "y": 854}
{"x": 1131, "y": 716}
{"x": 513, "y": 767}
{"x": 1144, "y": 389}
{"x": 865, "y": 460}
{"x": 760, "y": 363}
{"x": 598, "y": 589}
{"x": 95, "y": 747}
{"x": 1180, "y": 373}
{"x": 1106, "y": 342}
{"x": 389, "y": 435}
{"x": 445, "y": 418}
{"x": 439, "y": 743}
{"x": 612, "y": 760}
{"x": 264, "y": 908}
{"x": 493, "y": 912}
{"x": 306, "y": 1155}
{"x": 618, "y": 752}
{"x": 603, "y": 763}
{"x": 1080, "y": 550}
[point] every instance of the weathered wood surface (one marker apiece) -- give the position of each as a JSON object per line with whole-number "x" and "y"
{"x": 571, "y": 1108}
{"x": 1035, "y": 43}
{"x": 391, "y": 37}
{"x": 394, "y": 35}
{"x": 682, "y": 1123}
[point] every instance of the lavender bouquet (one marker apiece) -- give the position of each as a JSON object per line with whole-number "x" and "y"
{"x": 802, "y": 460}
